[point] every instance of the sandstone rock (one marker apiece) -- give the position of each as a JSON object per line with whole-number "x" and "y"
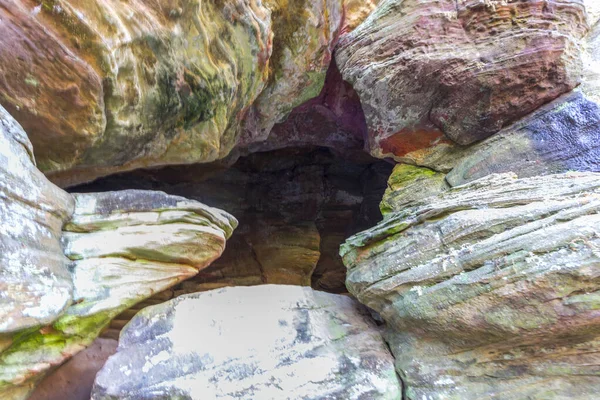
{"x": 490, "y": 288}
{"x": 408, "y": 184}
{"x": 35, "y": 284}
{"x": 267, "y": 342}
{"x": 563, "y": 136}
{"x": 333, "y": 119}
{"x": 107, "y": 84}
{"x": 356, "y": 11}
{"x": 305, "y": 33}
{"x": 126, "y": 246}
{"x": 74, "y": 379}
{"x": 463, "y": 70}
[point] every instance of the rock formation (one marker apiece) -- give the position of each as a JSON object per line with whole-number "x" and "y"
{"x": 125, "y": 247}
{"x": 263, "y": 342}
{"x": 483, "y": 273}
{"x": 429, "y": 71}
{"x": 490, "y": 288}
{"x": 34, "y": 281}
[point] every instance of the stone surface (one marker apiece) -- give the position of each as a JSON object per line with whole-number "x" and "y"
{"x": 111, "y": 84}
{"x": 74, "y": 379}
{"x": 108, "y": 86}
{"x": 305, "y": 33}
{"x": 429, "y": 71}
{"x": 409, "y": 184}
{"x": 490, "y": 289}
{"x": 264, "y": 342}
{"x": 35, "y": 284}
{"x": 563, "y": 136}
{"x": 125, "y": 246}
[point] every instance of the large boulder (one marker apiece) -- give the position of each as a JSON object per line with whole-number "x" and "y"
{"x": 125, "y": 246}
{"x": 263, "y": 342}
{"x": 490, "y": 289}
{"x": 107, "y": 83}
{"x": 427, "y": 72}
{"x": 109, "y": 86}
{"x": 35, "y": 284}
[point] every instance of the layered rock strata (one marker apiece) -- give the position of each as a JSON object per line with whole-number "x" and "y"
{"x": 461, "y": 70}
{"x": 489, "y": 288}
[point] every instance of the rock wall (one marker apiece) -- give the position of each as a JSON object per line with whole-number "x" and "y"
{"x": 489, "y": 288}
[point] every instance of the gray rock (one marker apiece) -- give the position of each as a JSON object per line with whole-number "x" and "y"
{"x": 490, "y": 289}
{"x": 262, "y": 342}
{"x": 35, "y": 285}
{"x": 125, "y": 246}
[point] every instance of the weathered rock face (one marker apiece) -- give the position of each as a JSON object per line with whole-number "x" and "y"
{"x": 563, "y": 136}
{"x": 35, "y": 284}
{"x": 263, "y": 342}
{"x": 462, "y": 70}
{"x": 108, "y": 86}
{"x": 125, "y": 247}
{"x": 74, "y": 379}
{"x": 137, "y": 82}
{"x": 490, "y": 288}
{"x": 305, "y": 33}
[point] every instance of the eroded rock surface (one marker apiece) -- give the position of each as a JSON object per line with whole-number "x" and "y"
{"x": 125, "y": 246}
{"x": 35, "y": 284}
{"x": 490, "y": 289}
{"x": 428, "y": 71}
{"x": 263, "y": 342}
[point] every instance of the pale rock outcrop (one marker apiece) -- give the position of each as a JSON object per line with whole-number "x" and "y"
{"x": 263, "y": 342}
{"x": 427, "y": 72}
{"x": 35, "y": 284}
{"x": 490, "y": 289}
{"x": 125, "y": 247}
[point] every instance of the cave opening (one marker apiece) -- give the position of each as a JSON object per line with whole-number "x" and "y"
{"x": 295, "y": 206}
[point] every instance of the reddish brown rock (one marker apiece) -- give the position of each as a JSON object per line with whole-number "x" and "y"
{"x": 463, "y": 69}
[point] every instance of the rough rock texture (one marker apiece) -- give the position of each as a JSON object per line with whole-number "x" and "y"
{"x": 35, "y": 285}
{"x": 305, "y": 33}
{"x": 126, "y": 246}
{"x": 428, "y": 71}
{"x": 108, "y": 86}
{"x": 490, "y": 289}
{"x": 74, "y": 379}
{"x": 333, "y": 119}
{"x": 108, "y": 83}
{"x": 563, "y": 136}
{"x": 408, "y": 184}
{"x": 264, "y": 342}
